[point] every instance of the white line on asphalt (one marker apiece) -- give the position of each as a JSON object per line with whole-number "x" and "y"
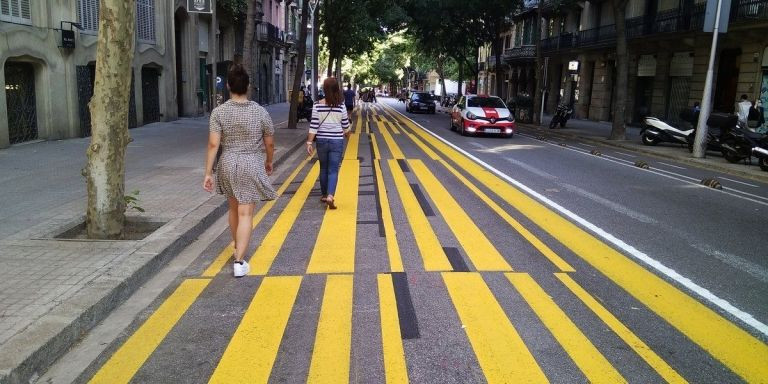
{"x": 610, "y": 204}
{"x": 625, "y": 154}
{"x": 670, "y": 165}
{"x": 737, "y": 262}
{"x": 740, "y": 182}
{"x": 588, "y": 145}
{"x": 634, "y": 252}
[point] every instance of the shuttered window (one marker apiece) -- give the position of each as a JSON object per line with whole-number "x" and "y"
{"x": 88, "y": 15}
{"x": 145, "y": 21}
{"x": 16, "y": 11}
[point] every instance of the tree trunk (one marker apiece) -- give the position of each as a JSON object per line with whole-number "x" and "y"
{"x": 248, "y": 61}
{"x": 105, "y": 172}
{"x": 300, "y": 58}
{"x": 498, "y": 47}
{"x": 540, "y": 86}
{"x": 622, "y": 69}
{"x": 461, "y": 77}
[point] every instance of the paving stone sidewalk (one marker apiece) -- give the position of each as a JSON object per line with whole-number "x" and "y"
{"x": 597, "y": 132}
{"x": 52, "y": 291}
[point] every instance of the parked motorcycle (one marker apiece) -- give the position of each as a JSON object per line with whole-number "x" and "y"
{"x": 655, "y": 130}
{"x": 562, "y": 114}
{"x": 305, "y": 110}
{"x": 739, "y": 144}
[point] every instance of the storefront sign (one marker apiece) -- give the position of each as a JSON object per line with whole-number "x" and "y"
{"x": 646, "y": 66}
{"x": 199, "y": 6}
{"x": 68, "y": 39}
{"x": 681, "y": 65}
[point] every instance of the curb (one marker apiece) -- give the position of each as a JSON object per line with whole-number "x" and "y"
{"x": 54, "y": 348}
{"x": 702, "y": 164}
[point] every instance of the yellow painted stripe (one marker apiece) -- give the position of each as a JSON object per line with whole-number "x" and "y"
{"x": 429, "y": 246}
{"x": 725, "y": 341}
{"x": 524, "y": 232}
{"x": 352, "y": 143}
{"x": 592, "y": 363}
{"x": 390, "y": 234}
{"x": 395, "y": 369}
{"x": 395, "y": 129}
{"x": 226, "y": 254}
{"x": 253, "y": 349}
{"x": 394, "y": 149}
{"x": 334, "y": 250}
{"x": 644, "y": 351}
{"x": 330, "y": 357}
{"x": 501, "y": 352}
{"x": 267, "y": 251}
{"x": 484, "y": 256}
{"x": 121, "y": 367}
{"x": 376, "y": 155}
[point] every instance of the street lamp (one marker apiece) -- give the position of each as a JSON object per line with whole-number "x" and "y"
{"x": 313, "y": 82}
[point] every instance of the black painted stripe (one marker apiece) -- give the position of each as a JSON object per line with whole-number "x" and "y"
{"x": 366, "y": 193}
{"x": 454, "y": 257}
{"x": 409, "y": 325}
{"x": 367, "y": 222}
{"x": 371, "y": 125}
{"x": 403, "y": 165}
{"x": 382, "y": 231}
{"x": 422, "y": 200}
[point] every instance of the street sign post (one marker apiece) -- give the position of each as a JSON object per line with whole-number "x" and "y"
{"x": 699, "y": 144}
{"x": 711, "y": 14}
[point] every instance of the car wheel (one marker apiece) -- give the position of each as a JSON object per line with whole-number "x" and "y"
{"x": 461, "y": 128}
{"x": 450, "y": 121}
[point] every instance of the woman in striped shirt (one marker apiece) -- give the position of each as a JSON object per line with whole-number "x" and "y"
{"x": 330, "y": 125}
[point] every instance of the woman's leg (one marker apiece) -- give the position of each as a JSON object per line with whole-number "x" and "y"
{"x": 243, "y": 236}
{"x": 233, "y": 220}
{"x": 322, "y": 157}
{"x": 334, "y": 163}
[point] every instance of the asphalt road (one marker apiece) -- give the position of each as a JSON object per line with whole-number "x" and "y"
{"x": 466, "y": 260}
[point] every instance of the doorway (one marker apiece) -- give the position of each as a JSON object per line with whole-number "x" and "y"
{"x": 727, "y": 80}
{"x": 643, "y": 98}
{"x": 150, "y": 94}
{"x": 179, "y": 23}
{"x": 21, "y": 101}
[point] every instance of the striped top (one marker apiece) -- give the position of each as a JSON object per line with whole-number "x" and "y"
{"x": 335, "y": 121}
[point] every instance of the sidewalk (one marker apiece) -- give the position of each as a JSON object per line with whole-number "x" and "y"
{"x": 53, "y": 291}
{"x": 597, "y": 132}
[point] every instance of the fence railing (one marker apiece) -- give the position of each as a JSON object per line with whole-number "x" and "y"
{"x": 522, "y": 52}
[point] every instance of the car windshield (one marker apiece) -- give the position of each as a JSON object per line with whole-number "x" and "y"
{"x": 422, "y": 96}
{"x": 485, "y": 102}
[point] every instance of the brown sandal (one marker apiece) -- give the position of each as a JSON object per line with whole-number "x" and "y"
{"x": 330, "y": 203}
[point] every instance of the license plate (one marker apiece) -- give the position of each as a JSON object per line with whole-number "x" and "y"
{"x": 424, "y": 108}
{"x": 492, "y": 130}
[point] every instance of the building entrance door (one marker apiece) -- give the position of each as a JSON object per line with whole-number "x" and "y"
{"x": 679, "y": 89}
{"x": 21, "y": 102}
{"x": 727, "y": 80}
{"x": 150, "y": 94}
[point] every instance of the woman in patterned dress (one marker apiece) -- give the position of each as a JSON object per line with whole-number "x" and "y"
{"x": 245, "y": 132}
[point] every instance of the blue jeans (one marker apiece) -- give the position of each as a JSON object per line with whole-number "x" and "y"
{"x": 329, "y": 154}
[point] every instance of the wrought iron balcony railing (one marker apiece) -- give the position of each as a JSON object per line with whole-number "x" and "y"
{"x": 520, "y": 53}
{"x": 266, "y": 32}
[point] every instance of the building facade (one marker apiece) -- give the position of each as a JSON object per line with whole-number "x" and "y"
{"x": 46, "y": 87}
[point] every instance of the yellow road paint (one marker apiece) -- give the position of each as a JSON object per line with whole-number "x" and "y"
{"x": 121, "y": 367}
{"x": 390, "y": 234}
{"x": 334, "y": 250}
{"x": 253, "y": 349}
{"x": 429, "y": 246}
{"x": 725, "y": 341}
{"x": 395, "y": 369}
{"x": 226, "y": 254}
{"x": 333, "y": 341}
{"x": 501, "y": 352}
{"x": 395, "y": 129}
{"x": 484, "y": 256}
{"x": 592, "y": 363}
{"x": 643, "y": 350}
{"x": 267, "y": 251}
{"x": 394, "y": 149}
{"x": 524, "y": 232}
{"x": 353, "y": 143}
{"x": 376, "y": 155}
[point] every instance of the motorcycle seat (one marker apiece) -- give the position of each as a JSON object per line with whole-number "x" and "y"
{"x": 754, "y": 135}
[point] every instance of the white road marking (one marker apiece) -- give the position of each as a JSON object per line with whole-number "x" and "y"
{"x": 610, "y": 204}
{"x": 588, "y": 145}
{"x": 632, "y": 251}
{"x": 740, "y": 182}
{"x": 532, "y": 169}
{"x": 670, "y": 165}
{"x": 624, "y": 154}
{"x": 737, "y": 262}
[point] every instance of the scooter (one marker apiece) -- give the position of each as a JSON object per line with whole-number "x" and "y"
{"x": 655, "y": 130}
{"x": 739, "y": 144}
{"x": 562, "y": 114}
{"x": 305, "y": 111}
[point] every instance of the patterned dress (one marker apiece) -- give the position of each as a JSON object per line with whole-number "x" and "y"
{"x": 240, "y": 170}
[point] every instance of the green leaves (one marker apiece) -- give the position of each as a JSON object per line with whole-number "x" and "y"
{"x": 132, "y": 201}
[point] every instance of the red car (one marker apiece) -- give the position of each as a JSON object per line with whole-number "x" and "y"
{"x": 481, "y": 114}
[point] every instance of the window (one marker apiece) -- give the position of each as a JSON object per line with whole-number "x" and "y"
{"x": 145, "y": 21}
{"x": 16, "y": 11}
{"x": 88, "y": 15}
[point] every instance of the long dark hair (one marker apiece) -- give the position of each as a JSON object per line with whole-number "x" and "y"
{"x": 333, "y": 96}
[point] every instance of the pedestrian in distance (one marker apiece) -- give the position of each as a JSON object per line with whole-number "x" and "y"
{"x": 349, "y": 98}
{"x": 742, "y": 110}
{"x": 245, "y": 132}
{"x": 329, "y": 127}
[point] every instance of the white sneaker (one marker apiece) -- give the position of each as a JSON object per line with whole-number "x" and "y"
{"x": 241, "y": 269}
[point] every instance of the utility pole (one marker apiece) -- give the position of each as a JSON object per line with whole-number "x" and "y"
{"x": 699, "y": 145}
{"x": 313, "y": 21}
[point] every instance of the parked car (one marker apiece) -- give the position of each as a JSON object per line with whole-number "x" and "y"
{"x": 420, "y": 102}
{"x": 480, "y": 114}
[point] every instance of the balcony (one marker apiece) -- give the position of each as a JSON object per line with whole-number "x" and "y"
{"x": 522, "y": 53}
{"x": 268, "y": 33}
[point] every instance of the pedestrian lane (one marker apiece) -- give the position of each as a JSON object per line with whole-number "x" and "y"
{"x": 431, "y": 270}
